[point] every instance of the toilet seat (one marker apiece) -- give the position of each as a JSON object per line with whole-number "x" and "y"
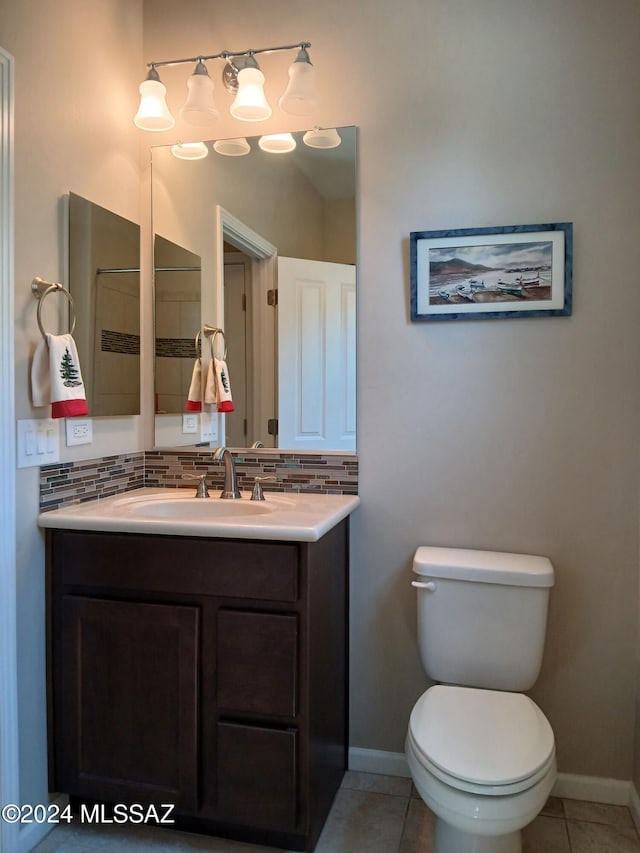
{"x": 482, "y": 741}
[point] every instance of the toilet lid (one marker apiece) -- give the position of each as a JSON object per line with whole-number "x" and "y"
{"x": 484, "y": 737}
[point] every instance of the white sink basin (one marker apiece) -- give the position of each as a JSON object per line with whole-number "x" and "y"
{"x": 198, "y": 509}
{"x": 175, "y": 512}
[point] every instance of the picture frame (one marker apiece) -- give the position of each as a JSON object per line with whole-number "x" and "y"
{"x": 506, "y": 272}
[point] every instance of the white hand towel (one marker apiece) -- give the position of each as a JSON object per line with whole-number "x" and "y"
{"x": 194, "y": 397}
{"x": 56, "y": 377}
{"x": 40, "y": 377}
{"x": 223, "y": 386}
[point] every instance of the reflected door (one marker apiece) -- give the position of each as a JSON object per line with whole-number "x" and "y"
{"x": 316, "y": 355}
{"x": 237, "y": 291}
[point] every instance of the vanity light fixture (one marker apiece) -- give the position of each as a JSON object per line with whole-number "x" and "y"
{"x": 300, "y": 97}
{"x": 327, "y": 137}
{"x": 237, "y": 147}
{"x": 241, "y": 76}
{"x": 250, "y": 103}
{"x": 189, "y": 150}
{"x": 277, "y": 143}
{"x": 153, "y": 112}
{"x": 199, "y": 108}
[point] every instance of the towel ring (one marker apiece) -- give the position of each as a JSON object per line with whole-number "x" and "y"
{"x": 215, "y": 334}
{"x": 41, "y": 289}
{"x": 197, "y": 344}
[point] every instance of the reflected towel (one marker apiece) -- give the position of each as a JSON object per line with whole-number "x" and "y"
{"x": 218, "y": 389}
{"x": 194, "y": 397}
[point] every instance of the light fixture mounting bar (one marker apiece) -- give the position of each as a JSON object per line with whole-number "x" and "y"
{"x": 229, "y": 54}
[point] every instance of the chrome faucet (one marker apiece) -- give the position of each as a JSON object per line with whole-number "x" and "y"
{"x": 230, "y": 490}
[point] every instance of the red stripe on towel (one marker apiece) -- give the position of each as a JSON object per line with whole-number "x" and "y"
{"x": 69, "y": 409}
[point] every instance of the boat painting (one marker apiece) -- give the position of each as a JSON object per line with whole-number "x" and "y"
{"x": 490, "y": 273}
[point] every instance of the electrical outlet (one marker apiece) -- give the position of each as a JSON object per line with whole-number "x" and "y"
{"x": 79, "y": 431}
{"x": 190, "y": 423}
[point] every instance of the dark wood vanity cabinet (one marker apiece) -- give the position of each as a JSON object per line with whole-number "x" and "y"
{"x": 208, "y": 673}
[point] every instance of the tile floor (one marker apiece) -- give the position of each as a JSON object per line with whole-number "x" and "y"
{"x": 376, "y": 814}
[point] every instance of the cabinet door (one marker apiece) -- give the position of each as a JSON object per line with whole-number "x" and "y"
{"x": 257, "y": 775}
{"x": 125, "y": 701}
{"x": 257, "y": 662}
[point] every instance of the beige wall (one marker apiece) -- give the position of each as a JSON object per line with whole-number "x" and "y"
{"x": 77, "y": 67}
{"x": 517, "y": 435}
{"x": 510, "y": 434}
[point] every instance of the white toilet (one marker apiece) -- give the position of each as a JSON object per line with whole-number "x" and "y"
{"x": 481, "y": 753}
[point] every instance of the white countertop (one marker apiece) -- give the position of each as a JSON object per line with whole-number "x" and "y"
{"x": 289, "y": 516}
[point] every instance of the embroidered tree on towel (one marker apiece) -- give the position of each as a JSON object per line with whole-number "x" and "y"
{"x": 68, "y": 370}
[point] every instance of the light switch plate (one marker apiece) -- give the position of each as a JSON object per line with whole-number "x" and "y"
{"x": 38, "y": 442}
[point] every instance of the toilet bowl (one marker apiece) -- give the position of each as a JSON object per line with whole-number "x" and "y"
{"x": 484, "y": 763}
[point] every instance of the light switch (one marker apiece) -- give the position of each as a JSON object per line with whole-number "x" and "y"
{"x": 38, "y": 442}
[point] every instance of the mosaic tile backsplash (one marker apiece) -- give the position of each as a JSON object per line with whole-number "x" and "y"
{"x": 68, "y": 483}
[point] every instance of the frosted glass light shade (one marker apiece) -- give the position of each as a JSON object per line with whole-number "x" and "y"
{"x": 237, "y": 147}
{"x": 300, "y": 98}
{"x": 250, "y": 103}
{"x": 277, "y": 143}
{"x": 189, "y": 150}
{"x": 322, "y": 138}
{"x": 153, "y": 112}
{"x": 199, "y": 108}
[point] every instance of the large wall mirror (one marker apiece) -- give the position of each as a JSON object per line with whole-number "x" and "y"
{"x": 261, "y": 245}
{"x": 104, "y": 280}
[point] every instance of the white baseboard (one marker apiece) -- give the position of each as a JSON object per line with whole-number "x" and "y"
{"x": 595, "y": 789}
{"x": 378, "y": 761}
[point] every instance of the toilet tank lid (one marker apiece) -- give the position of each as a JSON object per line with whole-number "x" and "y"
{"x": 483, "y": 566}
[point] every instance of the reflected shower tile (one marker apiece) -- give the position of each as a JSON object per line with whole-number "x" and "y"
{"x": 363, "y": 821}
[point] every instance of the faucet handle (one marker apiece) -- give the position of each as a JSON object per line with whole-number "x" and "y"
{"x": 257, "y": 493}
{"x": 201, "y": 491}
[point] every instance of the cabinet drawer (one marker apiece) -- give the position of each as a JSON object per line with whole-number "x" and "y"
{"x": 257, "y": 662}
{"x": 180, "y": 564}
{"x": 257, "y": 775}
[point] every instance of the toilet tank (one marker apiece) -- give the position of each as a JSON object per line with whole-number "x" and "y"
{"x": 482, "y": 616}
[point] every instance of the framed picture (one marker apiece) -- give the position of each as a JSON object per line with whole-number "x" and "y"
{"x": 480, "y": 273}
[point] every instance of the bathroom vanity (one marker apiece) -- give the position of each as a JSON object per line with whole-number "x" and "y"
{"x": 205, "y": 671}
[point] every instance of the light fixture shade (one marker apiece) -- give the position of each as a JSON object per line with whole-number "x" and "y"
{"x": 327, "y": 137}
{"x": 199, "y": 108}
{"x": 153, "y": 112}
{"x": 300, "y": 97}
{"x": 277, "y": 143}
{"x": 237, "y": 147}
{"x": 250, "y": 103}
{"x": 189, "y": 150}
